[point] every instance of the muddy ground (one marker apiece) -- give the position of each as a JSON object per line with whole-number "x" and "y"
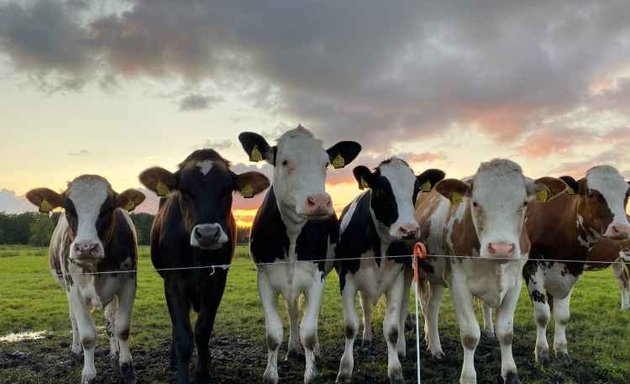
{"x": 238, "y": 360}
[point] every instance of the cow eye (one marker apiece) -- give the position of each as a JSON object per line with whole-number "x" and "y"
{"x": 285, "y": 163}
{"x": 475, "y": 204}
{"x": 525, "y": 203}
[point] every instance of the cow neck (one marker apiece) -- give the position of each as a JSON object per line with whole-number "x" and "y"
{"x": 381, "y": 230}
{"x": 293, "y": 225}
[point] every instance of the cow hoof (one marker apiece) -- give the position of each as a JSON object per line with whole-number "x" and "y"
{"x": 438, "y": 355}
{"x": 543, "y": 360}
{"x": 309, "y": 377}
{"x": 87, "y": 377}
{"x": 127, "y": 375}
{"x": 344, "y": 377}
{"x": 293, "y": 354}
{"x": 270, "y": 378}
{"x": 511, "y": 378}
{"x": 396, "y": 376}
{"x": 564, "y": 358}
{"x": 113, "y": 362}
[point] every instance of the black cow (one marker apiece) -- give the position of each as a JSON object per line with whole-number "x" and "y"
{"x": 194, "y": 228}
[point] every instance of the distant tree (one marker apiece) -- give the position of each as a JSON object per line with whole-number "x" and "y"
{"x": 15, "y": 229}
{"x": 40, "y": 230}
{"x": 242, "y": 235}
{"x": 143, "y": 223}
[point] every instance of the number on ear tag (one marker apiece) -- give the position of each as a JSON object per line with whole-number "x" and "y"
{"x": 456, "y": 198}
{"x": 338, "y": 161}
{"x": 247, "y": 191}
{"x": 426, "y": 186}
{"x": 45, "y": 207}
{"x": 542, "y": 196}
{"x": 161, "y": 189}
{"x": 363, "y": 184}
{"x": 255, "y": 155}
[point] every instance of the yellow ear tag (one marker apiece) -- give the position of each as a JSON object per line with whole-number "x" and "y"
{"x": 363, "y": 184}
{"x": 45, "y": 207}
{"x": 570, "y": 191}
{"x": 161, "y": 189}
{"x": 426, "y": 186}
{"x": 542, "y": 196}
{"x": 456, "y": 197}
{"x": 338, "y": 162}
{"x": 247, "y": 191}
{"x": 129, "y": 206}
{"x": 255, "y": 155}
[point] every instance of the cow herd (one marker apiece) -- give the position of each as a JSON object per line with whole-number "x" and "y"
{"x": 485, "y": 235}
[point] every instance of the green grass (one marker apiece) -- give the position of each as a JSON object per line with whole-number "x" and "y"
{"x": 598, "y": 334}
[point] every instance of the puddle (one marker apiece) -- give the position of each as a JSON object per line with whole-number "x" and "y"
{"x": 21, "y": 336}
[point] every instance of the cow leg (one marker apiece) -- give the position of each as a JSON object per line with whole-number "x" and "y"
{"x": 87, "y": 333}
{"x": 468, "y": 328}
{"x": 622, "y": 276}
{"x": 391, "y": 329}
{"x": 401, "y": 345}
{"x": 75, "y": 348}
{"x": 308, "y": 328}
{"x": 430, "y": 301}
{"x": 488, "y": 325}
{"x": 542, "y": 313}
{"x": 110, "y": 321}
{"x": 366, "y": 309}
{"x": 294, "y": 348}
{"x": 122, "y": 327}
{"x": 205, "y": 323}
{"x": 273, "y": 326}
{"x": 561, "y": 316}
{"x": 179, "y": 310}
{"x": 351, "y": 321}
{"x": 505, "y": 333}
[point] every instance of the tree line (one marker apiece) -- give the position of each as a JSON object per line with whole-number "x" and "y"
{"x": 35, "y": 229}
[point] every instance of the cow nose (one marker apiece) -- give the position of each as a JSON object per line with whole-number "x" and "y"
{"x": 409, "y": 230}
{"x": 86, "y": 248}
{"x": 621, "y": 229}
{"x": 318, "y": 204}
{"x": 501, "y": 249}
{"x": 206, "y": 232}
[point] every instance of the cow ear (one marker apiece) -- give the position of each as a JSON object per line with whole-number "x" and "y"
{"x": 453, "y": 189}
{"x": 45, "y": 199}
{"x": 427, "y": 180}
{"x": 364, "y": 176}
{"x": 573, "y": 185}
{"x": 129, "y": 199}
{"x": 342, "y": 153}
{"x": 546, "y": 188}
{"x": 159, "y": 180}
{"x": 257, "y": 147}
{"x": 249, "y": 184}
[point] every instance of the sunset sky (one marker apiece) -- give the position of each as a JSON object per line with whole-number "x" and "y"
{"x": 113, "y": 87}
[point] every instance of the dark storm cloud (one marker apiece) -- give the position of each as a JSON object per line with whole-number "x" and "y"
{"x": 195, "y": 102}
{"x": 379, "y": 72}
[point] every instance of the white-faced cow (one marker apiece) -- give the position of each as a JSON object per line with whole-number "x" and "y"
{"x": 372, "y": 228}
{"x": 94, "y": 240}
{"x": 193, "y": 231}
{"x": 295, "y": 226}
{"x": 483, "y": 219}
{"x": 566, "y": 229}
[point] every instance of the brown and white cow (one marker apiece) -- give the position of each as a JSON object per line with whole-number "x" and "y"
{"x": 482, "y": 219}
{"x": 615, "y": 253}
{"x": 94, "y": 236}
{"x": 567, "y": 229}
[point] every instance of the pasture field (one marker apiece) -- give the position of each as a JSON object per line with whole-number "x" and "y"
{"x": 31, "y": 301}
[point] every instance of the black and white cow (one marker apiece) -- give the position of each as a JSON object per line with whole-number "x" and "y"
{"x": 95, "y": 235}
{"x": 295, "y": 225}
{"x": 372, "y": 227}
{"x": 193, "y": 231}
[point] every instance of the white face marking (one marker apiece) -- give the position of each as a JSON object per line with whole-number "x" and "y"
{"x": 88, "y": 195}
{"x": 607, "y": 181}
{"x": 205, "y": 166}
{"x": 499, "y": 189}
{"x": 402, "y": 181}
{"x": 304, "y": 173}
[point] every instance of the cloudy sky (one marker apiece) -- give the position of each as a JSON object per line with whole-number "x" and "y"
{"x": 115, "y": 86}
